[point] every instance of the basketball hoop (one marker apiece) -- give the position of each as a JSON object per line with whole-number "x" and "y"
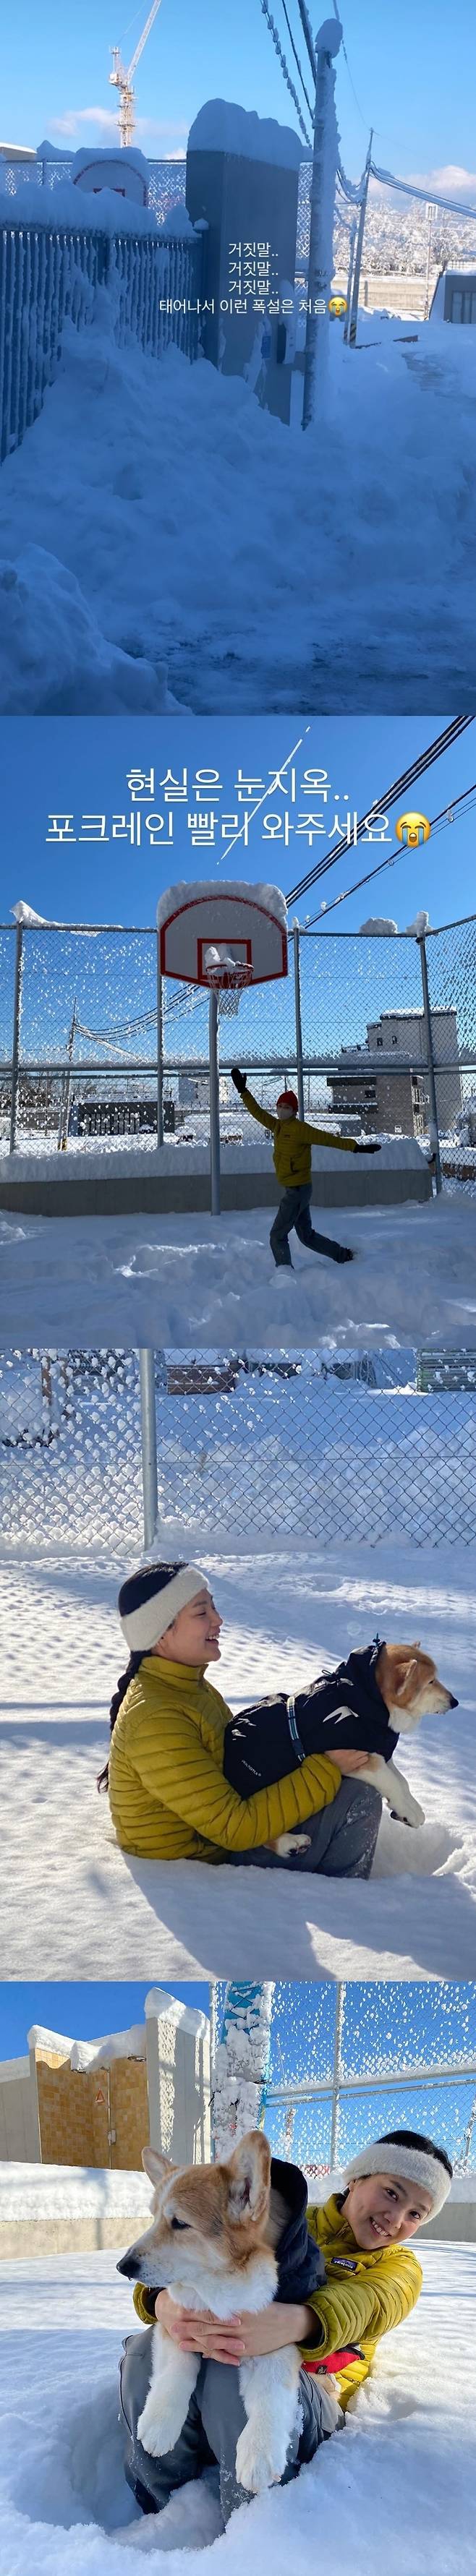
{"x": 227, "y": 977}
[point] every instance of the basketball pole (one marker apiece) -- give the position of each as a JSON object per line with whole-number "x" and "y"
{"x": 214, "y": 1105}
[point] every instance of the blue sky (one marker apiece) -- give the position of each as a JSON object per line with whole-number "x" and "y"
{"x": 412, "y": 80}
{"x": 80, "y": 2012}
{"x": 81, "y": 767}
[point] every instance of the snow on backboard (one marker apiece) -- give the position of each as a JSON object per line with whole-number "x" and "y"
{"x": 248, "y": 922}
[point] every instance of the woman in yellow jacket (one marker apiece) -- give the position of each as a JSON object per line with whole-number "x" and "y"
{"x": 372, "y": 2283}
{"x": 293, "y": 1138}
{"x": 168, "y": 1796}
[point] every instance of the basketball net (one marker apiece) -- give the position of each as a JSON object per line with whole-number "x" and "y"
{"x": 228, "y": 977}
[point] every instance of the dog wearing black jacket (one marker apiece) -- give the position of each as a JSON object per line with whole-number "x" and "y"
{"x": 382, "y": 1691}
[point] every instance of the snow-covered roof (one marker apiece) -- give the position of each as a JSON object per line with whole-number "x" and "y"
{"x": 203, "y": 889}
{"x": 221, "y": 126}
{"x": 83, "y": 2053}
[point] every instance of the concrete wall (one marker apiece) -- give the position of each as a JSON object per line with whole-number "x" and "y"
{"x": 241, "y": 201}
{"x": 19, "y": 2126}
{"x": 178, "y": 2069}
{"x": 144, "y": 1193}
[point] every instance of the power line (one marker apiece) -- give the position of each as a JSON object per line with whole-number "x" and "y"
{"x": 284, "y": 67}
{"x": 299, "y": 65}
{"x": 425, "y": 761}
{"x": 439, "y": 821}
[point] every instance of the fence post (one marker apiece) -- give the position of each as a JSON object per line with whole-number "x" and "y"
{"x": 297, "y": 1005}
{"x": 214, "y": 1107}
{"x": 178, "y": 2078}
{"x": 148, "y": 1444}
{"x": 350, "y": 272}
{"x": 358, "y": 256}
{"x": 434, "y": 1128}
{"x": 17, "y": 1003}
{"x": 336, "y": 2073}
{"x": 324, "y": 149}
{"x": 160, "y": 1050}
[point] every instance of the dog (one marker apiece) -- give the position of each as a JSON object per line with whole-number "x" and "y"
{"x": 380, "y": 1693}
{"x": 212, "y": 2244}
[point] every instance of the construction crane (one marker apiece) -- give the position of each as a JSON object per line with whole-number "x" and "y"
{"x": 123, "y": 80}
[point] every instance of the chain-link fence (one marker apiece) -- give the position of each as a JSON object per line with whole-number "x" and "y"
{"x": 379, "y": 1030}
{"x": 374, "y": 2059}
{"x": 49, "y": 275}
{"x": 242, "y": 1454}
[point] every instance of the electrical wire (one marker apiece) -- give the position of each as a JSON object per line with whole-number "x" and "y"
{"x": 299, "y": 65}
{"x": 439, "y": 823}
{"x": 284, "y": 67}
{"x": 425, "y": 761}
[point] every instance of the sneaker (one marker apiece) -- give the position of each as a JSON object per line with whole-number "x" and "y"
{"x": 341, "y": 1253}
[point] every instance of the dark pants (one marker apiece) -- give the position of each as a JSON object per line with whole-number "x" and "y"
{"x": 342, "y": 1837}
{"x": 211, "y": 2430}
{"x": 294, "y": 1211}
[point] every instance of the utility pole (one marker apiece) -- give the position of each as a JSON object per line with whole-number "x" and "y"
{"x": 431, "y": 211}
{"x": 321, "y": 235}
{"x": 64, "y": 1111}
{"x": 360, "y": 244}
{"x": 352, "y": 242}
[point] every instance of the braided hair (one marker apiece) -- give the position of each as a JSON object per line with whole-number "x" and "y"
{"x": 116, "y": 1703}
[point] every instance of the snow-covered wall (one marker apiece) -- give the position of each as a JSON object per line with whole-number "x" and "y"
{"x": 221, "y": 126}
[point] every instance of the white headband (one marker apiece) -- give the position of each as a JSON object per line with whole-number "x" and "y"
{"x": 143, "y": 1626}
{"x": 411, "y": 2163}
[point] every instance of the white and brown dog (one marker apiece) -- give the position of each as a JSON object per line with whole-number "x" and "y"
{"x": 409, "y": 1687}
{"x": 212, "y": 2245}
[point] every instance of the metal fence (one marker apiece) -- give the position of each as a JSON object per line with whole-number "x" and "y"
{"x": 237, "y": 1452}
{"x": 373, "y": 2062}
{"x": 382, "y": 1028}
{"x": 49, "y": 275}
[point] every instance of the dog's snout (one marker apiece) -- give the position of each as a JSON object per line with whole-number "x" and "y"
{"x": 453, "y": 1703}
{"x": 129, "y": 2266}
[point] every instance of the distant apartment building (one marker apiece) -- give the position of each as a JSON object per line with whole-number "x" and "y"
{"x": 397, "y": 1103}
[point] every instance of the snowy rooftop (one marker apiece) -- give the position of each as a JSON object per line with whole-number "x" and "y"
{"x": 84, "y": 2053}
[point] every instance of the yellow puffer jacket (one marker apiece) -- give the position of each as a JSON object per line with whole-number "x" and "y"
{"x": 292, "y": 1142}
{"x": 364, "y": 2295}
{"x": 168, "y": 1796}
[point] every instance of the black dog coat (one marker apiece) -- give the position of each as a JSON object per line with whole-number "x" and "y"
{"x": 343, "y": 1708}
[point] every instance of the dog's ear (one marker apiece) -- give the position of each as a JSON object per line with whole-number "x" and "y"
{"x": 405, "y": 1678}
{"x": 156, "y": 2166}
{"x": 249, "y": 2175}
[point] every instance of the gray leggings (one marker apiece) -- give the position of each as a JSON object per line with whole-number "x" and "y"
{"x": 342, "y": 1837}
{"x": 210, "y": 2433}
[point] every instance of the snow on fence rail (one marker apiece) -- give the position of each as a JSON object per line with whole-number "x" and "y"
{"x": 49, "y": 275}
{"x": 249, "y": 1454}
{"x": 351, "y": 1025}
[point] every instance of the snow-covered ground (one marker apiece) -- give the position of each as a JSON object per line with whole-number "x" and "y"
{"x": 212, "y": 1283}
{"x": 395, "y": 2490}
{"x": 121, "y": 577}
{"x": 67, "y": 1890}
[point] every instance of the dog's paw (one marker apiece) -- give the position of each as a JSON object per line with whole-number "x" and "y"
{"x": 256, "y": 2469}
{"x": 288, "y": 1843}
{"x": 158, "y": 2433}
{"x": 410, "y": 1814}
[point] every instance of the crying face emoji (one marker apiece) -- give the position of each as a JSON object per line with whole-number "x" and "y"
{"x": 337, "y": 307}
{"x": 412, "y": 829}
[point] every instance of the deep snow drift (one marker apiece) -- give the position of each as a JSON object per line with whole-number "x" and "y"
{"x": 396, "y": 2489}
{"x": 189, "y": 518}
{"x": 285, "y": 1615}
{"x": 208, "y": 1282}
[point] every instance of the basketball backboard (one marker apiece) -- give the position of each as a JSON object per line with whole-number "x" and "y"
{"x": 244, "y": 924}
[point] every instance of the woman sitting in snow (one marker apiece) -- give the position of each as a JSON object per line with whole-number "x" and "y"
{"x": 372, "y": 2282}
{"x": 168, "y": 1794}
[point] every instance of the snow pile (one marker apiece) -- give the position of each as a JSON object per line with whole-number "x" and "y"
{"x": 49, "y": 2192}
{"x": 378, "y": 927}
{"x": 222, "y": 127}
{"x": 54, "y": 659}
{"x": 112, "y": 152}
{"x": 417, "y": 929}
{"x": 287, "y": 1615}
{"x": 205, "y": 890}
{"x": 76, "y": 209}
{"x": 104, "y": 1279}
{"x": 400, "y": 2475}
{"x": 82, "y": 2053}
{"x": 378, "y": 618}
{"x": 250, "y": 1148}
